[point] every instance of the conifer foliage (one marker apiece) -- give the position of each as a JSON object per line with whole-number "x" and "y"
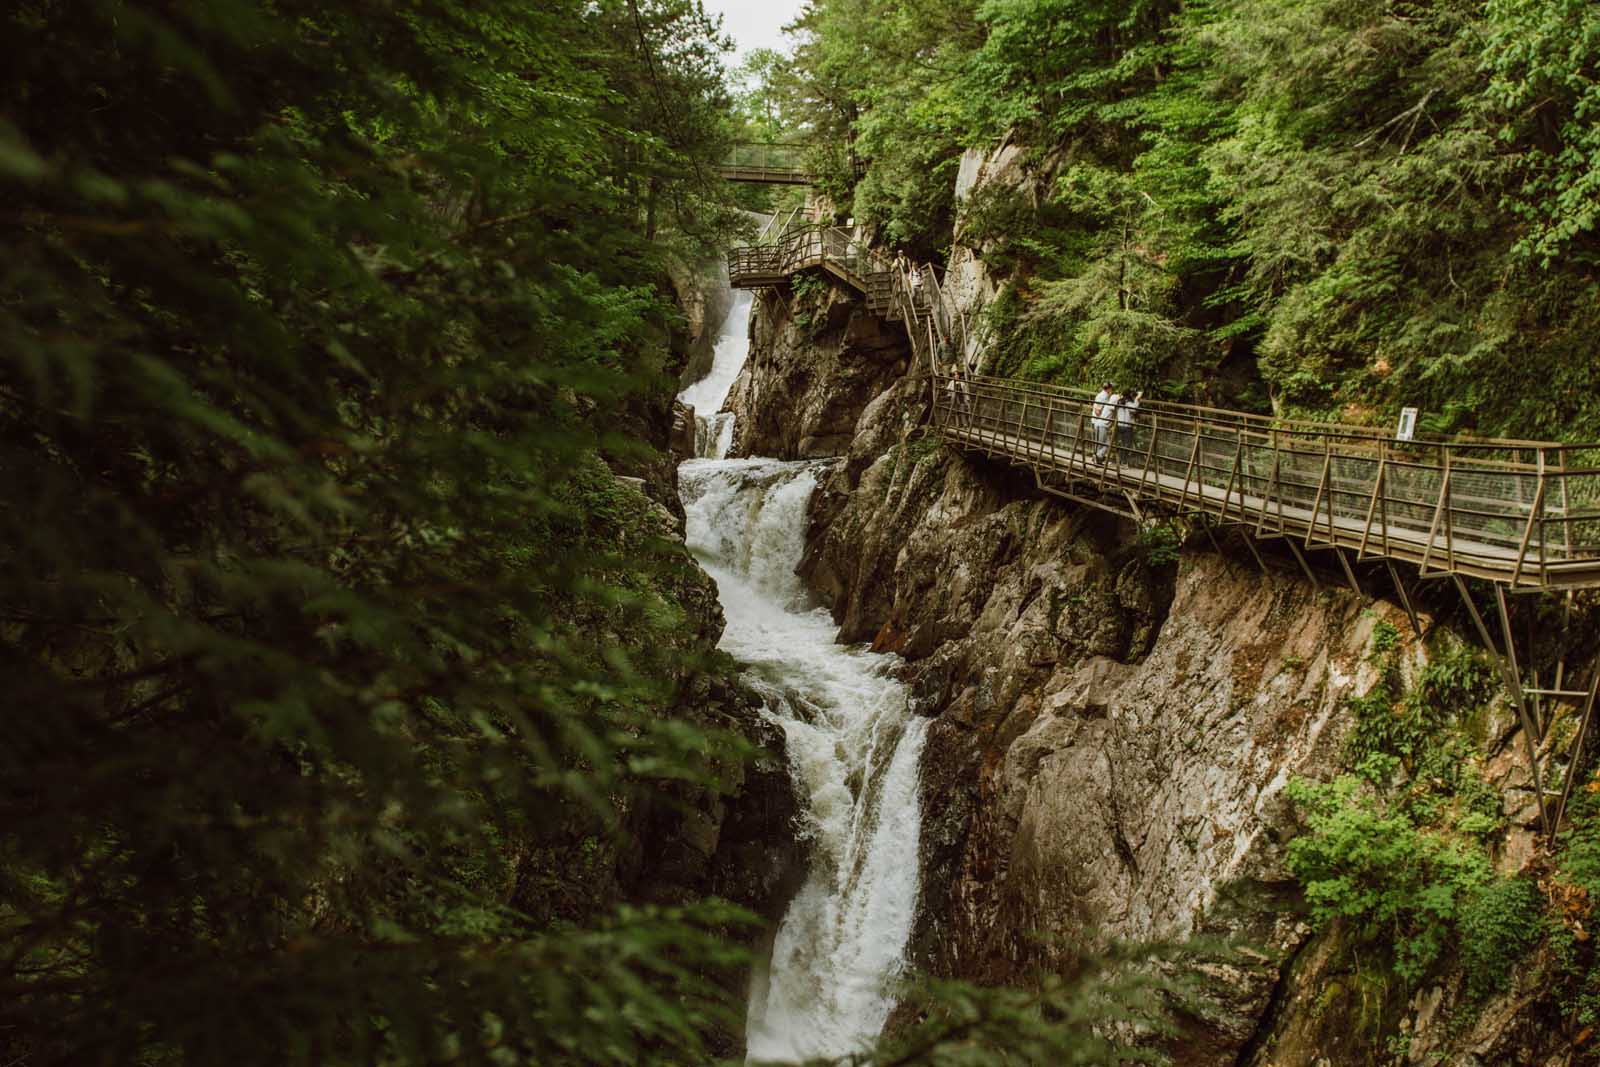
{"x": 1319, "y": 207}
{"x": 323, "y": 624}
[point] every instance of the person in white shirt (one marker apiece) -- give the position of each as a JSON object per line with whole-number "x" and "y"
{"x": 1100, "y": 420}
{"x": 1127, "y": 409}
{"x": 963, "y": 397}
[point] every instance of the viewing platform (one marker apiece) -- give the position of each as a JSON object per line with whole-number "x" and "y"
{"x": 828, "y": 248}
{"x": 900, "y": 292}
{"x": 1525, "y": 514}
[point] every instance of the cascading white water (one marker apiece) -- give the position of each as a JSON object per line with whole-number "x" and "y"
{"x": 714, "y": 428}
{"x": 854, "y": 752}
{"x": 854, "y": 749}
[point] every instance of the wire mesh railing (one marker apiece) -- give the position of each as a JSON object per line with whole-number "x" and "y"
{"x": 907, "y": 291}
{"x": 1526, "y": 513}
{"x": 761, "y": 161}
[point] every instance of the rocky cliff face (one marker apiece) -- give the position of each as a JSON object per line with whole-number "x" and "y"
{"x": 1112, "y": 733}
{"x": 817, "y": 357}
{"x": 704, "y": 298}
{"x": 1115, "y": 722}
{"x": 685, "y": 844}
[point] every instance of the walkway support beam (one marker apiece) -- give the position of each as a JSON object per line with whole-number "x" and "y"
{"x": 1508, "y": 673}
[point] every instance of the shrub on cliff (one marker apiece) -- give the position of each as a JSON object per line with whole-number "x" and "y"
{"x": 1420, "y": 891}
{"x": 1397, "y": 850}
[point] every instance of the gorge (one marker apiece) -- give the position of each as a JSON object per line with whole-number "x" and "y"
{"x": 853, "y": 747}
{"x": 1112, "y": 723}
{"x": 530, "y": 538}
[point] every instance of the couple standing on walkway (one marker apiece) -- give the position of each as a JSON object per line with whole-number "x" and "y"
{"x": 1112, "y": 406}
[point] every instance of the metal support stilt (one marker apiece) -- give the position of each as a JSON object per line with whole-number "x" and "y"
{"x": 1405, "y": 598}
{"x": 1535, "y": 705}
{"x": 1305, "y": 564}
{"x": 1350, "y": 574}
{"x": 1513, "y": 683}
{"x": 1576, "y": 753}
{"x": 1250, "y": 543}
{"x": 1138, "y": 512}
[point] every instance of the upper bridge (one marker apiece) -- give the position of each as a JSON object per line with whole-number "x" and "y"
{"x": 764, "y": 163}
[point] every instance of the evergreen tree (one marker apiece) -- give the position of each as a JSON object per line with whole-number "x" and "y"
{"x": 1311, "y": 207}
{"x": 328, "y": 637}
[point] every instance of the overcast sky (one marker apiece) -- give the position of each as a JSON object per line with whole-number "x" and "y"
{"x": 756, "y": 23}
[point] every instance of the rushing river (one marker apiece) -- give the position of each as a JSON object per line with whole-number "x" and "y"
{"x": 854, "y": 747}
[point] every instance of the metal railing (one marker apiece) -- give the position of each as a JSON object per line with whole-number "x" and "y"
{"x": 906, "y": 291}
{"x": 775, "y": 162}
{"x": 803, "y": 248}
{"x": 1524, "y": 513}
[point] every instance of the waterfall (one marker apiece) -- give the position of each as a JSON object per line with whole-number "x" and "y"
{"x": 714, "y": 427}
{"x": 854, "y": 750}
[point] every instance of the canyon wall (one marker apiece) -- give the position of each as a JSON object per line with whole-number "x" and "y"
{"x": 817, "y": 357}
{"x": 1116, "y": 717}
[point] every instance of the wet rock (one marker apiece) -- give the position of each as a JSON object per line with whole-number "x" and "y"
{"x": 682, "y": 440}
{"x": 816, "y": 361}
{"x": 704, "y": 298}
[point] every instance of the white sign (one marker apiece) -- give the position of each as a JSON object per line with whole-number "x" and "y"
{"x": 1408, "y": 424}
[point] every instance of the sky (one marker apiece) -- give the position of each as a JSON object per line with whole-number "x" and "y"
{"x": 756, "y": 23}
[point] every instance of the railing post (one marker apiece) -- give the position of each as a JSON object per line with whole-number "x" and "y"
{"x": 1233, "y": 475}
{"x": 1194, "y": 457}
{"x": 1566, "y": 510}
{"x": 1273, "y": 491}
{"x": 1534, "y": 513}
{"x": 1322, "y": 487}
{"x": 1440, "y": 510}
{"x": 1372, "y": 507}
{"x": 1152, "y": 457}
{"x": 1449, "y": 518}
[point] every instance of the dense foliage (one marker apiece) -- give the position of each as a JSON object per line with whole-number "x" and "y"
{"x": 1326, "y": 207}
{"x": 1574, "y": 889}
{"x": 1398, "y": 849}
{"x": 336, "y": 657}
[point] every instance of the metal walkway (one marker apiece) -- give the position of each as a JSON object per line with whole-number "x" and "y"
{"x": 766, "y": 164}
{"x": 1522, "y": 513}
{"x": 899, "y": 291}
